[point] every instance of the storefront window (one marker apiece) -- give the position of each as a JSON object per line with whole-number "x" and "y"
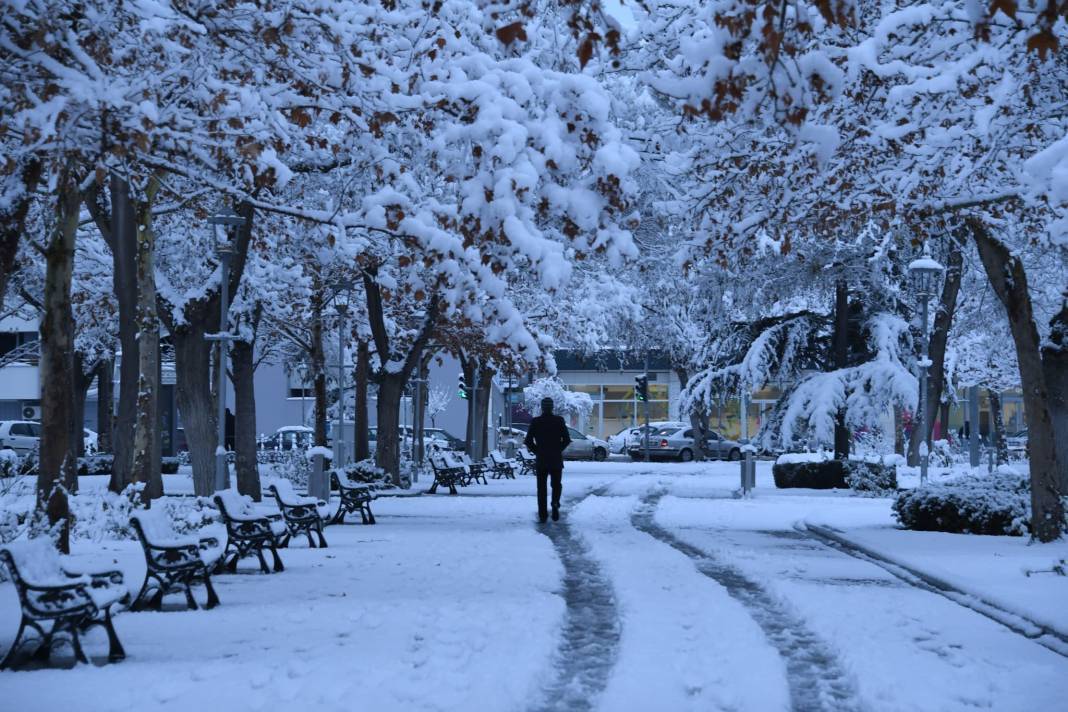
{"x": 612, "y": 393}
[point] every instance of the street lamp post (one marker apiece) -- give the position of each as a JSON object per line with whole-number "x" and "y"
{"x": 925, "y": 273}
{"x": 224, "y": 250}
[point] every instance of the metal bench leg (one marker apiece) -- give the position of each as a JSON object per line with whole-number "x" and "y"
{"x": 370, "y": 517}
{"x": 322, "y": 539}
{"x": 115, "y": 651}
{"x": 189, "y": 600}
{"x": 277, "y": 560}
{"x": 10, "y": 657}
{"x": 76, "y": 644}
{"x": 213, "y": 599}
{"x": 263, "y": 561}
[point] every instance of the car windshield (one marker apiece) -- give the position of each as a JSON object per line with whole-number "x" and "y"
{"x": 576, "y": 435}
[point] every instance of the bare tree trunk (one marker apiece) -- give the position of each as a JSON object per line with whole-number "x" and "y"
{"x": 997, "y": 427}
{"x": 936, "y": 380}
{"x": 387, "y": 441}
{"x": 122, "y": 238}
{"x": 842, "y": 435}
{"x": 1055, "y": 368}
{"x": 146, "y": 464}
{"x": 57, "y": 365}
{"x": 104, "y": 405}
{"x": 13, "y": 220}
{"x": 482, "y": 399}
{"x": 1009, "y": 281}
{"x": 363, "y": 372}
{"x": 81, "y": 381}
{"x": 899, "y": 431}
{"x": 467, "y": 367}
{"x": 244, "y": 368}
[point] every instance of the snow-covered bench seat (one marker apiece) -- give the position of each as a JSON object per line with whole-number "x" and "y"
{"x": 502, "y": 466}
{"x": 248, "y": 532}
{"x": 446, "y": 474}
{"x": 302, "y": 515}
{"x": 355, "y": 497}
{"x": 174, "y": 563}
{"x": 59, "y": 603}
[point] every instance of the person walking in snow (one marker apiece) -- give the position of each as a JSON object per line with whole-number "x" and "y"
{"x": 547, "y": 438}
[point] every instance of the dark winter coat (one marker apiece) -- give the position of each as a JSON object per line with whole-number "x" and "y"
{"x": 547, "y": 438}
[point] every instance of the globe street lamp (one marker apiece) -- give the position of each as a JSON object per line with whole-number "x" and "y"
{"x": 224, "y": 250}
{"x": 925, "y": 273}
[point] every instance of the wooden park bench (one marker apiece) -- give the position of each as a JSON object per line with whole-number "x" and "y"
{"x": 248, "y": 532}
{"x": 355, "y": 497}
{"x": 175, "y": 563}
{"x": 302, "y": 515}
{"x": 474, "y": 471}
{"x": 58, "y": 603}
{"x": 502, "y": 466}
{"x": 527, "y": 462}
{"x": 446, "y": 474}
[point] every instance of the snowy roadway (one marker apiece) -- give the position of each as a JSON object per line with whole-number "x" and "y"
{"x": 657, "y": 591}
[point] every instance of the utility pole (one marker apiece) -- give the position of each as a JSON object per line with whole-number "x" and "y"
{"x": 645, "y": 399}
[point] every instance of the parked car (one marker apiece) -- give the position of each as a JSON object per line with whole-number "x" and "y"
{"x": 1017, "y": 443}
{"x": 617, "y": 444}
{"x": 636, "y": 436}
{"x": 22, "y": 436}
{"x": 678, "y": 443}
{"x": 288, "y": 437}
{"x": 585, "y": 447}
{"x": 438, "y": 439}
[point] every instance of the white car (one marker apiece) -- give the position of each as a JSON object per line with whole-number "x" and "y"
{"x": 585, "y": 447}
{"x": 635, "y": 437}
{"x": 21, "y": 436}
{"x": 617, "y": 444}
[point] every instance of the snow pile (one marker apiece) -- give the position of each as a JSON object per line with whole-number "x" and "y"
{"x": 999, "y": 503}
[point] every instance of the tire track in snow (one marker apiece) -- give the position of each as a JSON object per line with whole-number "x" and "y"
{"x": 815, "y": 678}
{"x": 589, "y": 641}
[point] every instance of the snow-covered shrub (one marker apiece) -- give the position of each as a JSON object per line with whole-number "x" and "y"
{"x": 810, "y": 470}
{"x": 875, "y": 478}
{"x": 169, "y": 466}
{"x": 98, "y": 464}
{"x": 998, "y": 503}
{"x": 295, "y": 467}
{"x": 9, "y": 463}
{"x": 102, "y": 514}
{"x": 565, "y": 402}
{"x": 366, "y": 471}
{"x": 28, "y": 464}
{"x": 188, "y": 514}
{"x": 820, "y": 471}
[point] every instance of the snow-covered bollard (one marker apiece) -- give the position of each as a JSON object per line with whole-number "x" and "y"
{"x": 748, "y": 465}
{"x": 319, "y": 477}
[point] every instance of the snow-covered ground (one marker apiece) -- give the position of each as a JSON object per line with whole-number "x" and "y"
{"x": 658, "y": 591}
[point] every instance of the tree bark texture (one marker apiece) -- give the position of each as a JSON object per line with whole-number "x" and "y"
{"x": 146, "y": 464}
{"x": 104, "y": 405}
{"x": 192, "y": 362}
{"x": 842, "y": 435}
{"x": 318, "y": 365}
{"x": 1009, "y": 281}
{"x": 482, "y": 402}
{"x": 1055, "y": 369}
{"x": 122, "y": 238}
{"x": 57, "y": 363}
{"x": 936, "y": 377}
{"x": 81, "y": 381}
{"x": 997, "y": 428}
{"x": 13, "y": 221}
{"x": 243, "y": 371}
{"x": 363, "y": 372}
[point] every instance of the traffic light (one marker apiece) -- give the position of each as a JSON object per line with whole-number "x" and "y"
{"x": 642, "y": 387}
{"x": 463, "y": 391}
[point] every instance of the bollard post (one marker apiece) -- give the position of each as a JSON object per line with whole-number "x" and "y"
{"x": 748, "y": 472}
{"x": 319, "y": 480}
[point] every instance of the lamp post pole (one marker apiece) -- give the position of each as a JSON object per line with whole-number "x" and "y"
{"x": 227, "y": 218}
{"x": 925, "y": 272}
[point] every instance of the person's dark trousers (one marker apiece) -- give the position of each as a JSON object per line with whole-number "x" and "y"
{"x": 543, "y": 474}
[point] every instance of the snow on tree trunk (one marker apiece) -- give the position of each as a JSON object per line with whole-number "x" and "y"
{"x": 1009, "y": 281}
{"x": 146, "y": 464}
{"x": 123, "y": 243}
{"x": 363, "y": 369}
{"x": 936, "y": 380}
{"x": 243, "y": 370}
{"x": 55, "y": 467}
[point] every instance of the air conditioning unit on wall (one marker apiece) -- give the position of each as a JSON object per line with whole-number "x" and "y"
{"x": 31, "y": 412}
